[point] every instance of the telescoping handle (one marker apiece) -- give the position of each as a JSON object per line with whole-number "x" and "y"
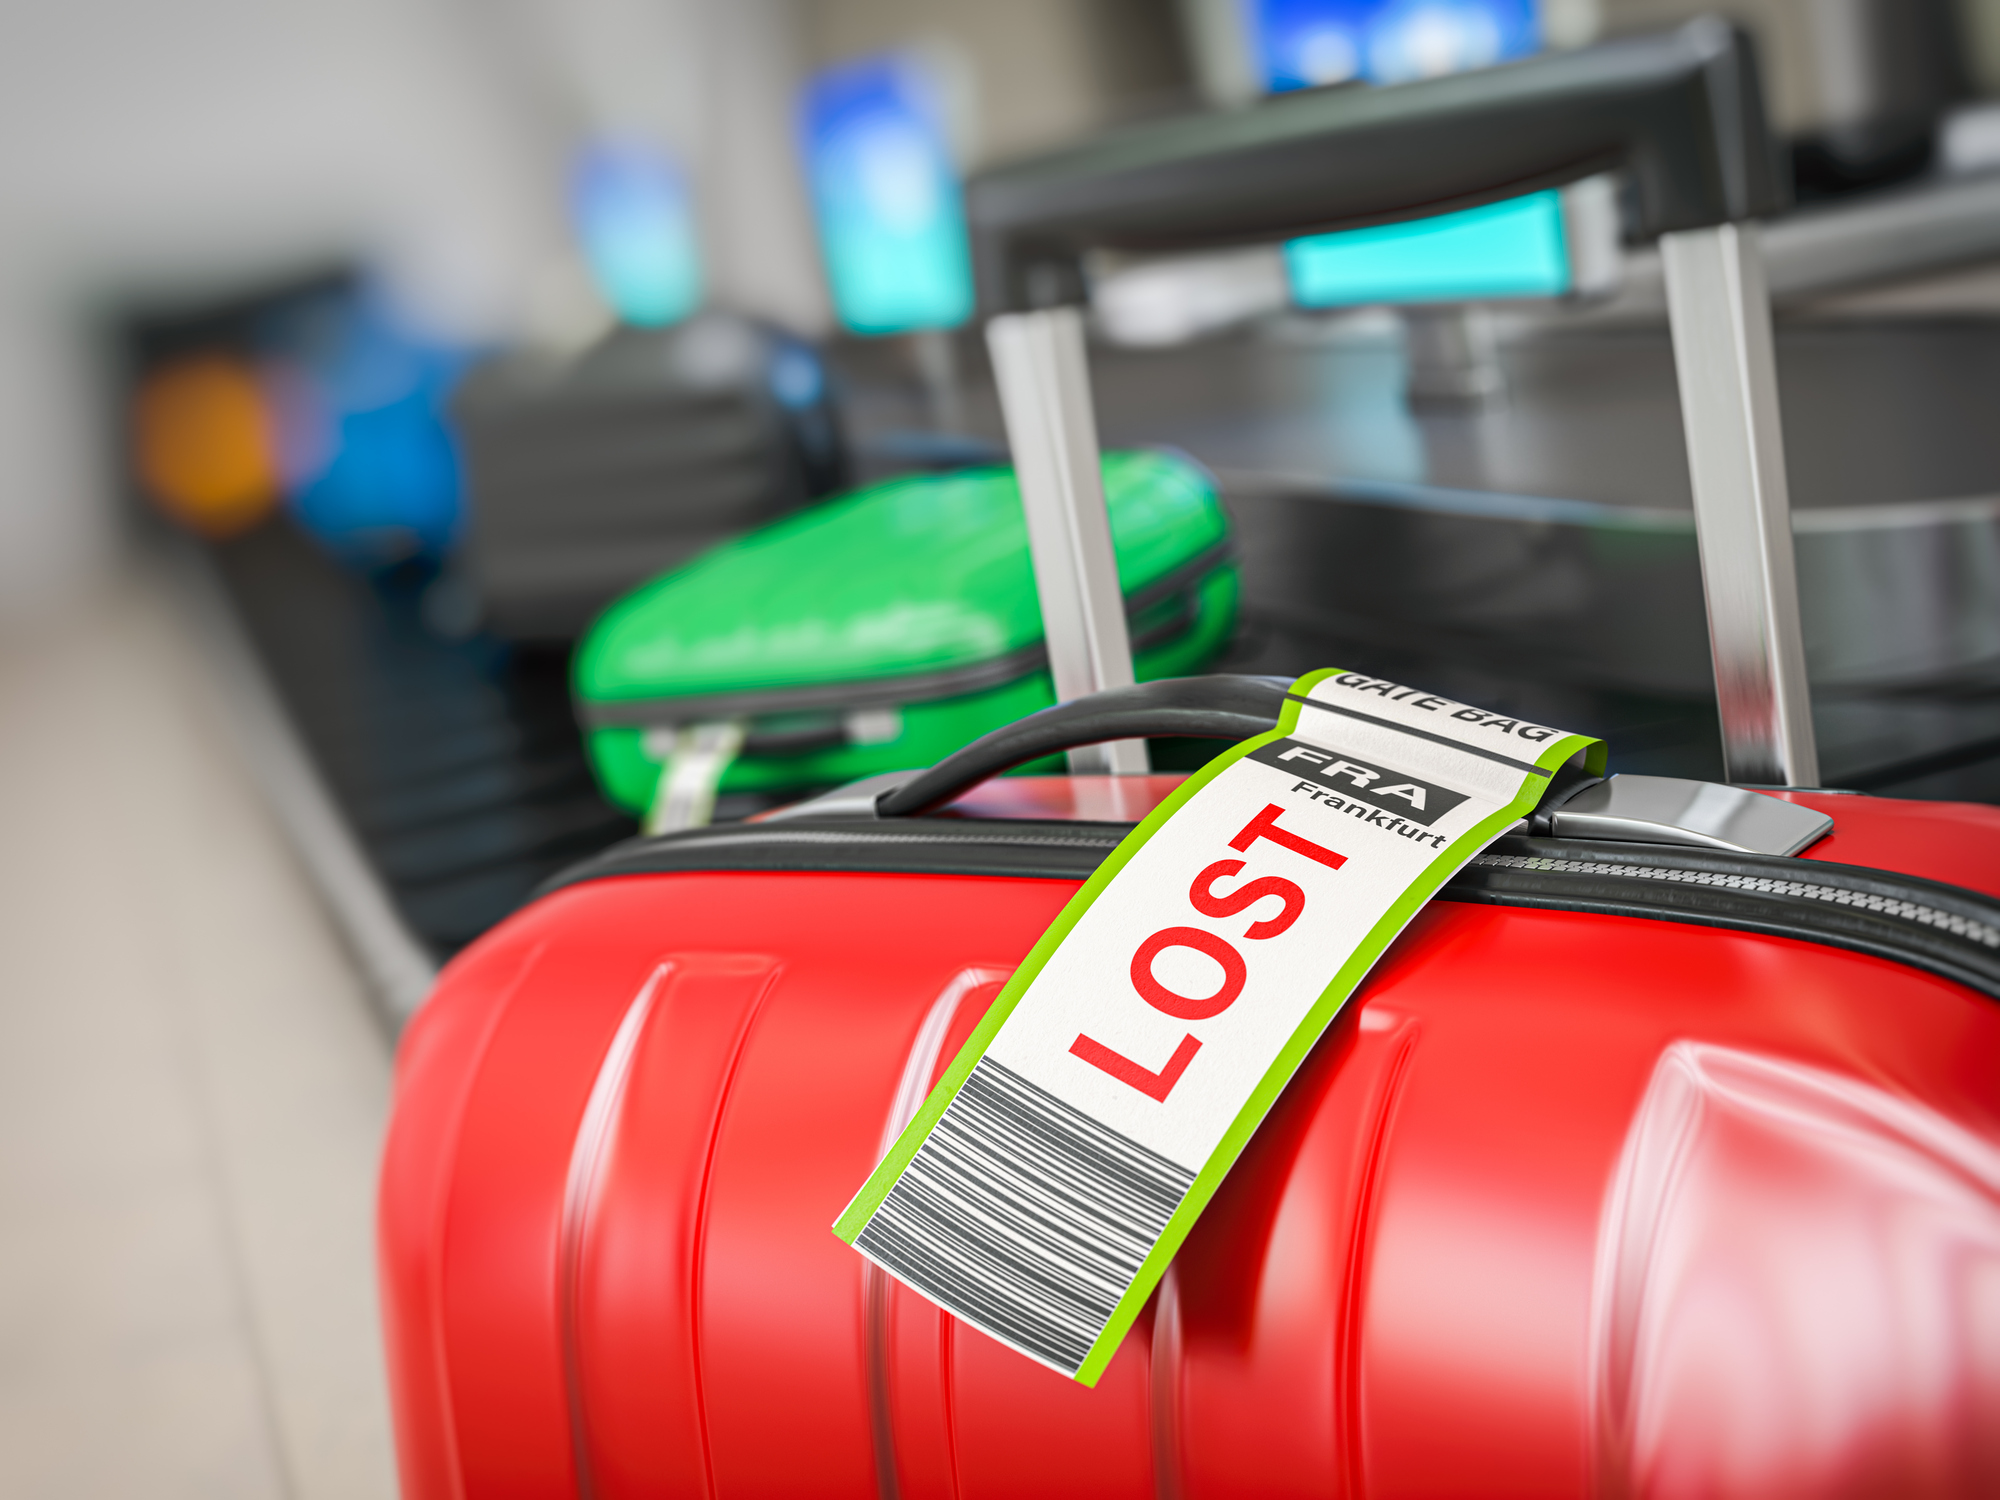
{"x": 1680, "y": 114}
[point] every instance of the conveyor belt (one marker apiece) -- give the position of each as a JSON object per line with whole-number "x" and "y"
{"x": 456, "y": 762}
{"x": 463, "y": 778}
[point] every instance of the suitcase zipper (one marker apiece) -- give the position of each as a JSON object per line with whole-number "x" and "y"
{"x": 917, "y": 687}
{"x": 1910, "y": 911}
{"x": 1941, "y": 928}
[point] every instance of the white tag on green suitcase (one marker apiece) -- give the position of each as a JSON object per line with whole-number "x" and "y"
{"x": 1044, "y": 1186}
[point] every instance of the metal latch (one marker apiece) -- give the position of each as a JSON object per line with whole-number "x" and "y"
{"x": 1702, "y": 814}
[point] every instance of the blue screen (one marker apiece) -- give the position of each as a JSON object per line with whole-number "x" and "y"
{"x": 1515, "y": 248}
{"x": 632, "y": 214}
{"x": 891, "y": 224}
{"x": 1304, "y": 43}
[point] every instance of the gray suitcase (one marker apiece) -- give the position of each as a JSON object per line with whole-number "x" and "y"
{"x": 586, "y": 478}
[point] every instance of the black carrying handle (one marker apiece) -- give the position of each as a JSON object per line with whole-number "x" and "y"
{"x": 1222, "y": 707}
{"x": 1681, "y": 113}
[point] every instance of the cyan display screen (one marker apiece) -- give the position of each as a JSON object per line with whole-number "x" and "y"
{"x": 1513, "y": 249}
{"x": 1303, "y": 43}
{"x": 891, "y": 224}
{"x": 632, "y": 213}
{"x": 1516, "y": 248}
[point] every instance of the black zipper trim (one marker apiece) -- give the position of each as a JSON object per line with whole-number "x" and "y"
{"x": 916, "y": 687}
{"x": 1955, "y": 924}
{"x": 1925, "y": 924}
{"x": 907, "y": 846}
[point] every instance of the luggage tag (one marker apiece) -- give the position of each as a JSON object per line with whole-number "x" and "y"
{"x": 1043, "y": 1188}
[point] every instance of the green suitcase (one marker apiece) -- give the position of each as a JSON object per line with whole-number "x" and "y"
{"x": 878, "y": 631}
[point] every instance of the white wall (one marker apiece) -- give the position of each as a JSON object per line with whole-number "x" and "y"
{"x": 163, "y": 145}
{"x": 157, "y": 145}
{"x": 716, "y": 83}
{"x": 1034, "y": 73}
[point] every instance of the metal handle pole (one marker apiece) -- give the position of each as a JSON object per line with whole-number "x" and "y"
{"x": 1041, "y": 367}
{"x": 1721, "y": 315}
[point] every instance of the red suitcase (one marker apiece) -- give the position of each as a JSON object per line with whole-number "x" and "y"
{"x": 1636, "y": 1166}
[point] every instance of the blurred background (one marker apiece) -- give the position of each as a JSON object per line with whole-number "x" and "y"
{"x": 356, "y": 357}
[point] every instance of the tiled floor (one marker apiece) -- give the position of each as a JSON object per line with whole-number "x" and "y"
{"x": 192, "y": 1090}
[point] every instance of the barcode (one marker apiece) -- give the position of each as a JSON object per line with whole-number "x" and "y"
{"x": 1025, "y": 1216}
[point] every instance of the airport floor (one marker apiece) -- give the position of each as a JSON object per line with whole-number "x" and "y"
{"x": 192, "y": 1092}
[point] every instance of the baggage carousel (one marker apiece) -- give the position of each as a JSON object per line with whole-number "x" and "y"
{"x": 1533, "y": 549}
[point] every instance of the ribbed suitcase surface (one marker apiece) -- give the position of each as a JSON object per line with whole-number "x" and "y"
{"x": 1566, "y": 1202}
{"x": 588, "y": 479}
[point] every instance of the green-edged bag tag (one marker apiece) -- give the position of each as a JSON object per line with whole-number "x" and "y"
{"x": 1048, "y": 1179}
